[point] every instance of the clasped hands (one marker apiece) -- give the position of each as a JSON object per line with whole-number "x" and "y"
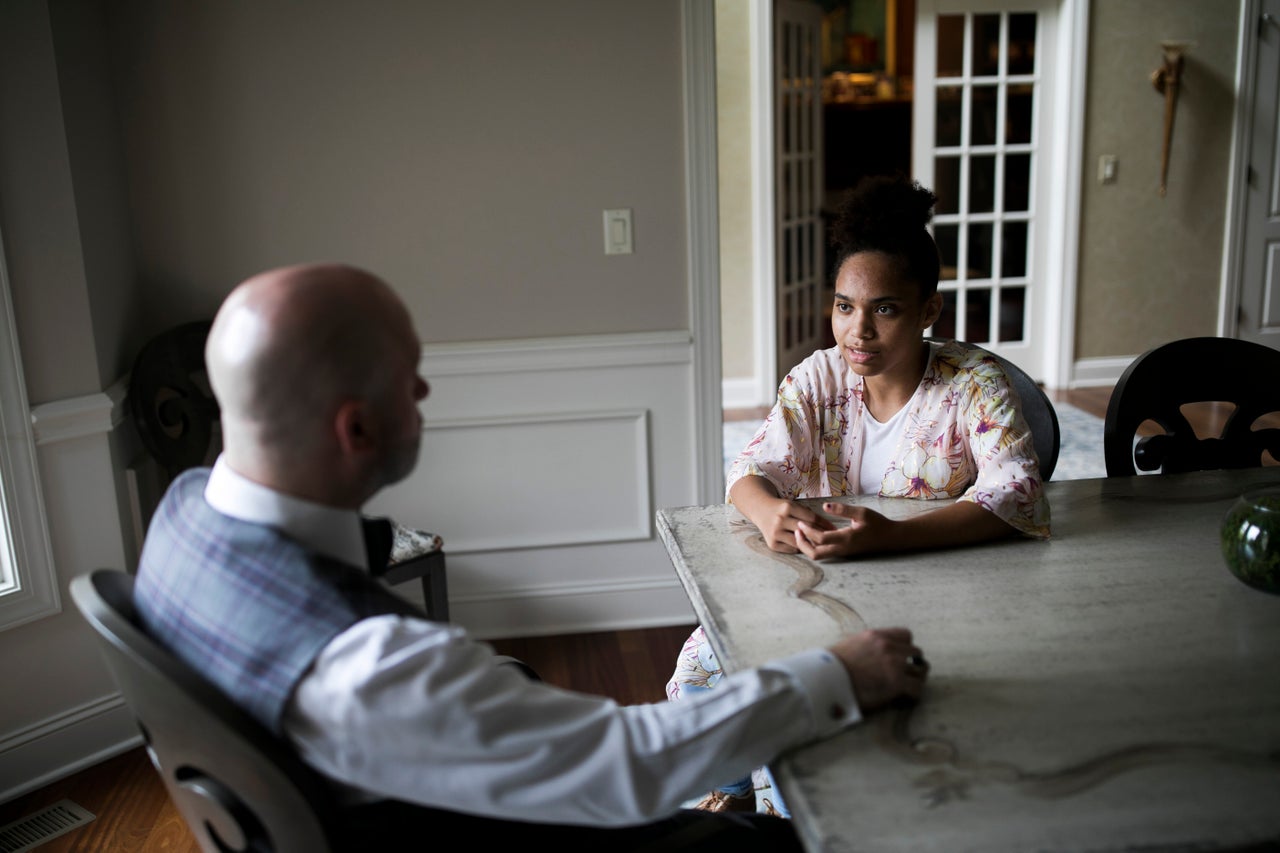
{"x": 790, "y": 527}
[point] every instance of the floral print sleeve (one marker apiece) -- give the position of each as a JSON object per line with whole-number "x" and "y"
{"x": 968, "y": 439}
{"x": 802, "y": 446}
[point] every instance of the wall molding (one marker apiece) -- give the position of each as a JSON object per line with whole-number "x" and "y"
{"x": 76, "y": 417}
{"x": 65, "y": 743}
{"x": 561, "y": 353}
{"x": 626, "y": 516}
{"x": 702, "y": 246}
{"x": 744, "y": 393}
{"x": 1092, "y": 372}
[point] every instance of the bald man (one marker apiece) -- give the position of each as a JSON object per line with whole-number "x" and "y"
{"x": 255, "y": 572}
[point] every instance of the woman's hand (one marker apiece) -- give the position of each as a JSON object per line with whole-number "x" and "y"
{"x": 777, "y": 518}
{"x": 866, "y": 531}
{"x": 780, "y": 524}
{"x": 960, "y": 523}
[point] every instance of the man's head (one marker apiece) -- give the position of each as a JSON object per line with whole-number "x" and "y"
{"x": 315, "y": 371}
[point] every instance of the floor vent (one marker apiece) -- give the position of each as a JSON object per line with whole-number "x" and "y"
{"x": 34, "y": 830}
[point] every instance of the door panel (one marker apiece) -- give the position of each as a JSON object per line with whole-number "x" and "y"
{"x": 1259, "y": 308}
{"x": 982, "y": 144}
{"x": 799, "y": 237}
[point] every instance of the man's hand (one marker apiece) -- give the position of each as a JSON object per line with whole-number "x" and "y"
{"x": 883, "y": 665}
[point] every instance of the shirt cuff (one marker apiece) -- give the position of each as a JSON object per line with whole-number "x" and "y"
{"x": 826, "y": 682}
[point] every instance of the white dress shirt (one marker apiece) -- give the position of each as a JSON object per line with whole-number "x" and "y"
{"x": 416, "y": 710}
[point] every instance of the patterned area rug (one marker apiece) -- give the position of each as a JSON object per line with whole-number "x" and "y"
{"x": 1080, "y": 456}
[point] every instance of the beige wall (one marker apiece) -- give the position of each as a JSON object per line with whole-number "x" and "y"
{"x": 465, "y": 152}
{"x": 1151, "y": 267}
{"x": 42, "y": 242}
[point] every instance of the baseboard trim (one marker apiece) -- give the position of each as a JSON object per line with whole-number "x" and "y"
{"x": 1093, "y": 372}
{"x": 65, "y": 743}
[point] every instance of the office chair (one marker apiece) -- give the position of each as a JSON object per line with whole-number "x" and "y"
{"x": 1162, "y": 380}
{"x": 237, "y": 786}
{"x": 1037, "y": 408}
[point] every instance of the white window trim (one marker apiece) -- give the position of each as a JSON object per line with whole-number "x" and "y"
{"x": 28, "y": 584}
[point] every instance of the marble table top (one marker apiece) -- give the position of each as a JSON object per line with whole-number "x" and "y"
{"x": 1113, "y": 688}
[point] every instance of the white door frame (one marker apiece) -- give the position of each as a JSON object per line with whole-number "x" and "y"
{"x": 1235, "y": 260}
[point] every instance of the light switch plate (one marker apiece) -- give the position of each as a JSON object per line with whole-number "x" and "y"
{"x": 617, "y": 232}
{"x": 1107, "y": 166}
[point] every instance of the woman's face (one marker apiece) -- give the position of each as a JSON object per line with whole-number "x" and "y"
{"x": 879, "y": 319}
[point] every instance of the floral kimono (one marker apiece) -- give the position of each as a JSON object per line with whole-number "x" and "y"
{"x": 964, "y": 438}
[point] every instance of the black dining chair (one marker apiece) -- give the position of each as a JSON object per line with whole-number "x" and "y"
{"x": 1037, "y": 408}
{"x": 1241, "y": 374}
{"x": 237, "y": 786}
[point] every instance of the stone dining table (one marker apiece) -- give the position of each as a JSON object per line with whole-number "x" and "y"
{"x": 1113, "y": 688}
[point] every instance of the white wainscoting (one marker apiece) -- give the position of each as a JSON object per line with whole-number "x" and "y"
{"x": 543, "y": 463}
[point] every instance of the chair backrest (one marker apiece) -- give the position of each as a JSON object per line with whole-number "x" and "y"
{"x": 1162, "y": 380}
{"x": 171, "y": 403}
{"x": 1037, "y": 408}
{"x": 237, "y": 786}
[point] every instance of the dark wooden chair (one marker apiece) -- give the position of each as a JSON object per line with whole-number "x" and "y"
{"x": 1037, "y": 408}
{"x": 1161, "y": 381}
{"x": 237, "y": 786}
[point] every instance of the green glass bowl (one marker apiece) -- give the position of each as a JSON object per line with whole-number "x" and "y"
{"x": 1251, "y": 539}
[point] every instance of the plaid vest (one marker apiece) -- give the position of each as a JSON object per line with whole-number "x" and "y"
{"x": 243, "y": 604}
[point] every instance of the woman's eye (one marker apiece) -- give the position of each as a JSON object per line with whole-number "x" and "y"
{"x": 842, "y": 307}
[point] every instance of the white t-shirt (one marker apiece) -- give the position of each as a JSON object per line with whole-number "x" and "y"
{"x": 880, "y": 442}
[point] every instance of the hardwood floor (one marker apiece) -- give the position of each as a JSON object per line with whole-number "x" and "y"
{"x": 133, "y": 813}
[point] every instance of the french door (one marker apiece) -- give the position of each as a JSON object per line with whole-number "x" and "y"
{"x": 798, "y": 234}
{"x": 1258, "y": 310}
{"x": 982, "y": 143}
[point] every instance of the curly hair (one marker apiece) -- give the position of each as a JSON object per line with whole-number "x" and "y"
{"x": 890, "y": 214}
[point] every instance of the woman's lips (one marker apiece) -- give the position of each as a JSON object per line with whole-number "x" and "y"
{"x": 858, "y": 356}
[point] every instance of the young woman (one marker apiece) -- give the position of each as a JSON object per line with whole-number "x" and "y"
{"x": 882, "y": 412}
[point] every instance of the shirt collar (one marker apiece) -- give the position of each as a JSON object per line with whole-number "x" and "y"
{"x": 325, "y": 530}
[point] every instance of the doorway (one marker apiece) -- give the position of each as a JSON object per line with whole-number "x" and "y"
{"x": 862, "y": 126}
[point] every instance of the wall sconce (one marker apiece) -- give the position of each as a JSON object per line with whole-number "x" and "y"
{"x": 1166, "y": 79}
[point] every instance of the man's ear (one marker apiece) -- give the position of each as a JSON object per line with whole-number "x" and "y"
{"x": 351, "y": 427}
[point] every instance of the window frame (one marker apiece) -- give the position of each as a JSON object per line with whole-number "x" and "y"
{"x": 28, "y": 582}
